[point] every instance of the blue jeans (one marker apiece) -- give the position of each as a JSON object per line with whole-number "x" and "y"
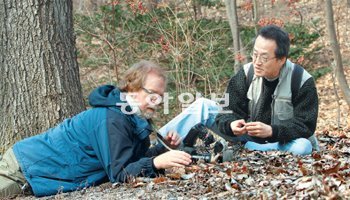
{"x": 300, "y": 146}
{"x": 203, "y": 111}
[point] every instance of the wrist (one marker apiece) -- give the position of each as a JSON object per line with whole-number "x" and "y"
{"x": 153, "y": 166}
{"x": 155, "y": 163}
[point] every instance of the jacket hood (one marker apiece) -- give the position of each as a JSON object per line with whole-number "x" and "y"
{"x": 111, "y": 96}
{"x": 105, "y": 96}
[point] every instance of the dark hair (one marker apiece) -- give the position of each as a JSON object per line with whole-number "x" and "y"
{"x": 281, "y": 37}
{"x": 134, "y": 78}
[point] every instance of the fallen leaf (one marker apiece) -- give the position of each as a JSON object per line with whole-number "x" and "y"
{"x": 302, "y": 169}
{"x": 333, "y": 169}
{"x": 175, "y": 176}
{"x": 160, "y": 179}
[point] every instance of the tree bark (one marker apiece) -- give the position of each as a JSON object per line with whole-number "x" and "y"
{"x": 231, "y": 10}
{"x": 339, "y": 70}
{"x": 39, "y": 74}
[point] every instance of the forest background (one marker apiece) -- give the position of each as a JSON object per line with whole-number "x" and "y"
{"x": 195, "y": 42}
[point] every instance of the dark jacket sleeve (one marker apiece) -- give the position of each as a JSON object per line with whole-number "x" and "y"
{"x": 122, "y": 149}
{"x": 238, "y": 103}
{"x": 156, "y": 150}
{"x": 125, "y": 155}
{"x": 303, "y": 124}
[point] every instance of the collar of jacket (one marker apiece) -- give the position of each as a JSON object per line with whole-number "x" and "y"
{"x": 142, "y": 127}
{"x": 255, "y": 87}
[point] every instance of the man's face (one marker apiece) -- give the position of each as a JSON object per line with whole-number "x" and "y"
{"x": 149, "y": 97}
{"x": 264, "y": 60}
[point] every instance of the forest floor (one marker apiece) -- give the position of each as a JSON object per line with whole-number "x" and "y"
{"x": 263, "y": 175}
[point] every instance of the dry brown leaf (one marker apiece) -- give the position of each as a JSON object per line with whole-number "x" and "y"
{"x": 333, "y": 169}
{"x": 302, "y": 169}
{"x": 174, "y": 176}
{"x": 276, "y": 170}
{"x": 228, "y": 172}
{"x": 160, "y": 179}
{"x": 316, "y": 155}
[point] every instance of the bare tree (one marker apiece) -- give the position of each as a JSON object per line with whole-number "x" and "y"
{"x": 197, "y": 9}
{"x": 231, "y": 10}
{"x": 39, "y": 74}
{"x": 255, "y": 15}
{"x": 339, "y": 70}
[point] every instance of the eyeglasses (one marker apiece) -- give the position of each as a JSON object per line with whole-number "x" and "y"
{"x": 262, "y": 59}
{"x": 155, "y": 96}
{"x": 150, "y": 91}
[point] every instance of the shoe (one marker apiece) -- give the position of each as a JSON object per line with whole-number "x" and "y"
{"x": 201, "y": 132}
{"x": 220, "y": 146}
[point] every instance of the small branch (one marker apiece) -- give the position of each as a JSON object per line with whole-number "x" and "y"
{"x": 109, "y": 45}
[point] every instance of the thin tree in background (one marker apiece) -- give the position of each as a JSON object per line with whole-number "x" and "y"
{"x": 231, "y": 10}
{"x": 39, "y": 74}
{"x": 339, "y": 70}
{"x": 197, "y": 9}
{"x": 255, "y": 15}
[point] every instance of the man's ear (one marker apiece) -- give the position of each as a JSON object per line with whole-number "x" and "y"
{"x": 283, "y": 60}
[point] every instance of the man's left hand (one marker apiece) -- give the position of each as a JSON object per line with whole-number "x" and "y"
{"x": 258, "y": 129}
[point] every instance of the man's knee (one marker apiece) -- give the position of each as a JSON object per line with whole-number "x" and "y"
{"x": 301, "y": 146}
{"x": 201, "y": 100}
{"x": 9, "y": 188}
{"x": 205, "y": 101}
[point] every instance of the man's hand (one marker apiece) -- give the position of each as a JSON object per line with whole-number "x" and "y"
{"x": 172, "y": 158}
{"x": 238, "y": 127}
{"x": 258, "y": 129}
{"x": 173, "y": 139}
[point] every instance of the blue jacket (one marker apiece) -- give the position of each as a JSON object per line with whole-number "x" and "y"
{"x": 95, "y": 146}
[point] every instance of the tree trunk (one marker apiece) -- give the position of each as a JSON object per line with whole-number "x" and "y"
{"x": 197, "y": 9}
{"x": 339, "y": 70}
{"x": 231, "y": 10}
{"x": 39, "y": 74}
{"x": 256, "y": 15}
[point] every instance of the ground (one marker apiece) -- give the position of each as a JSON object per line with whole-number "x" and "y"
{"x": 258, "y": 175}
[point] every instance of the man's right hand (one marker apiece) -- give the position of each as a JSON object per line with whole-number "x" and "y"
{"x": 172, "y": 158}
{"x": 238, "y": 127}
